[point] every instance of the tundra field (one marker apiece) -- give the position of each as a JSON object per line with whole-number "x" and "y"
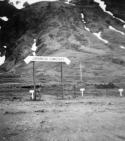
{"x": 88, "y": 118}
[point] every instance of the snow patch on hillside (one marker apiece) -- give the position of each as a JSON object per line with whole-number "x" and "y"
{"x": 2, "y": 60}
{"x": 82, "y": 16}
{"x": 112, "y": 28}
{"x": 99, "y": 37}
{"x": 68, "y": 2}
{"x": 87, "y": 28}
{"x": 103, "y": 6}
{"x": 4, "y": 18}
{"x": 122, "y": 47}
{"x": 5, "y": 46}
{"x": 34, "y": 48}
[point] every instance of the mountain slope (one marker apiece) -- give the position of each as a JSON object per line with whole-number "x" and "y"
{"x": 60, "y": 30}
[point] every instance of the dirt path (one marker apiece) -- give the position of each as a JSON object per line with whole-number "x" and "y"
{"x": 88, "y": 119}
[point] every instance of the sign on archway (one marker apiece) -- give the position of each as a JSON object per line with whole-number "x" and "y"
{"x": 46, "y": 59}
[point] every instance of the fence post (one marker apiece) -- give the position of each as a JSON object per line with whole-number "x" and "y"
{"x": 62, "y": 80}
{"x": 34, "y": 97}
{"x": 106, "y": 92}
{"x": 75, "y": 91}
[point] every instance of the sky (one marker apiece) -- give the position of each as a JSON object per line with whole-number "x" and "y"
{"x": 20, "y": 5}
{"x": 21, "y": 2}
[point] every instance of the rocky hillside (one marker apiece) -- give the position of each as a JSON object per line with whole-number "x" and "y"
{"x": 65, "y": 30}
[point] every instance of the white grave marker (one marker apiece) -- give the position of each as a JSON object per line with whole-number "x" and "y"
{"x": 32, "y": 94}
{"x": 120, "y": 90}
{"x": 82, "y": 90}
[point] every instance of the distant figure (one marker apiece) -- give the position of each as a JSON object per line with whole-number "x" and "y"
{"x": 38, "y": 90}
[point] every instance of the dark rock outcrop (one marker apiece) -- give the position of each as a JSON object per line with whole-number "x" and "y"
{"x": 7, "y": 9}
{"x": 117, "y": 7}
{"x": 83, "y": 2}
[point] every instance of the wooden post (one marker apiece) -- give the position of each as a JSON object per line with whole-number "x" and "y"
{"x": 62, "y": 80}
{"x": 34, "y": 98}
{"x": 106, "y": 92}
{"x": 75, "y": 91}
